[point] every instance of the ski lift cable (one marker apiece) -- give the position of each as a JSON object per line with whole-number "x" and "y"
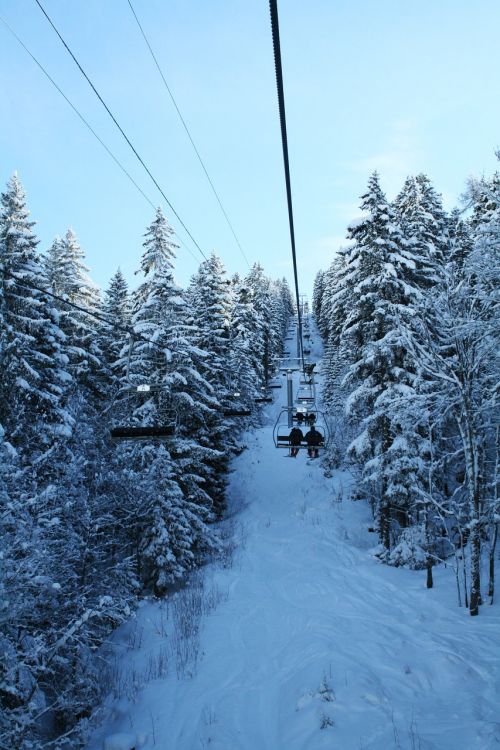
{"x": 28, "y": 286}
{"x": 127, "y": 139}
{"x": 284, "y": 141}
{"x": 219, "y": 201}
{"x": 87, "y": 124}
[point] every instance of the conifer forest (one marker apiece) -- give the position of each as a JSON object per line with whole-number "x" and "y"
{"x": 408, "y": 313}
{"x": 250, "y": 502}
{"x": 89, "y": 526}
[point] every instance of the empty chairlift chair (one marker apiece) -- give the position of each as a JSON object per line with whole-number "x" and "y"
{"x": 162, "y": 430}
{"x": 128, "y": 399}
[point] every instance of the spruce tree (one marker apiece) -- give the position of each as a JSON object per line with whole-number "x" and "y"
{"x": 377, "y": 269}
{"x": 33, "y": 368}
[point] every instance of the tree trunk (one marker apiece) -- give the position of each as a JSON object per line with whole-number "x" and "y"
{"x": 491, "y": 582}
{"x": 430, "y": 582}
{"x": 475, "y": 590}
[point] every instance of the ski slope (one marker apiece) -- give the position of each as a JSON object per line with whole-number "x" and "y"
{"x": 305, "y": 641}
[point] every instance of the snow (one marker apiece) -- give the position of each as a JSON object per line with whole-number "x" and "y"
{"x": 120, "y": 742}
{"x": 358, "y": 222}
{"x": 302, "y": 640}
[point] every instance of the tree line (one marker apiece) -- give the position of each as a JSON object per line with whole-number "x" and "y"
{"x": 409, "y": 315}
{"x": 88, "y": 526}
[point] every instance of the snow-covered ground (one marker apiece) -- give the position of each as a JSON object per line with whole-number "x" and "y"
{"x": 301, "y": 640}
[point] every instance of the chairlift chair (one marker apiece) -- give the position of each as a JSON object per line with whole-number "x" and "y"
{"x": 127, "y": 432}
{"x": 164, "y": 431}
{"x": 304, "y": 416}
{"x": 281, "y": 431}
{"x": 231, "y": 410}
{"x": 306, "y": 394}
{"x": 275, "y": 385}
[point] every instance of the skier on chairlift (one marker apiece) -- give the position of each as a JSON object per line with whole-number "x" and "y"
{"x": 295, "y": 437}
{"x": 314, "y": 438}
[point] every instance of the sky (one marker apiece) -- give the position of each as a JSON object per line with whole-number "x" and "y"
{"x": 401, "y": 87}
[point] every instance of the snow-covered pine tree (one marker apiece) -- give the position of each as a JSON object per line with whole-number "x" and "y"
{"x": 112, "y": 338}
{"x": 282, "y": 310}
{"x": 332, "y": 317}
{"x": 432, "y": 204}
{"x": 287, "y": 299}
{"x": 318, "y": 291}
{"x": 37, "y": 532}
{"x": 484, "y": 195}
{"x": 377, "y": 271}
{"x": 457, "y": 358}
{"x": 34, "y": 376}
{"x": 210, "y": 297}
{"x": 179, "y": 392}
{"x": 69, "y": 279}
{"x": 267, "y": 340}
{"x": 460, "y": 239}
{"x": 422, "y": 220}
{"x": 244, "y": 365}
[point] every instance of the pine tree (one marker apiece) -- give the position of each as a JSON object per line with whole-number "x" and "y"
{"x": 318, "y": 291}
{"x": 210, "y": 298}
{"x": 267, "y": 339}
{"x": 113, "y": 337}
{"x": 424, "y": 226}
{"x": 180, "y": 392}
{"x": 377, "y": 269}
{"x": 69, "y": 279}
{"x": 33, "y": 368}
{"x": 461, "y": 241}
{"x": 244, "y": 364}
{"x": 174, "y": 534}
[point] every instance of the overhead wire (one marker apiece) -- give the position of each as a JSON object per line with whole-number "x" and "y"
{"x": 87, "y": 125}
{"x": 76, "y": 111}
{"x": 284, "y": 141}
{"x": 216, "y": 194}
{"x": 28, "y": 286}
{"x": 127, "y": 139}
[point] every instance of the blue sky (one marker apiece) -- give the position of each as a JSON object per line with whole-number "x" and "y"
{"x": 392, "y": 85}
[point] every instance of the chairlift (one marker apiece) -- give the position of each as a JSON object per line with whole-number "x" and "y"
{"x": 164, "y": 431}
{"x": 281, "y": 431}
{"x": 304, "y": 416}
{"x": 233, "y": 411}
{"x": 127, "y": 432}
{"x": 306, "y": 394}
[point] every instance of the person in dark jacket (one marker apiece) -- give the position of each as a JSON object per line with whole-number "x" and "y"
{"x": 314, "y": 438}
{"x": 295, "y": 437}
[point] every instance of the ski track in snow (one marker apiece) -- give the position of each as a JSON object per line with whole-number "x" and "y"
{"x": 304, "y": 602}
